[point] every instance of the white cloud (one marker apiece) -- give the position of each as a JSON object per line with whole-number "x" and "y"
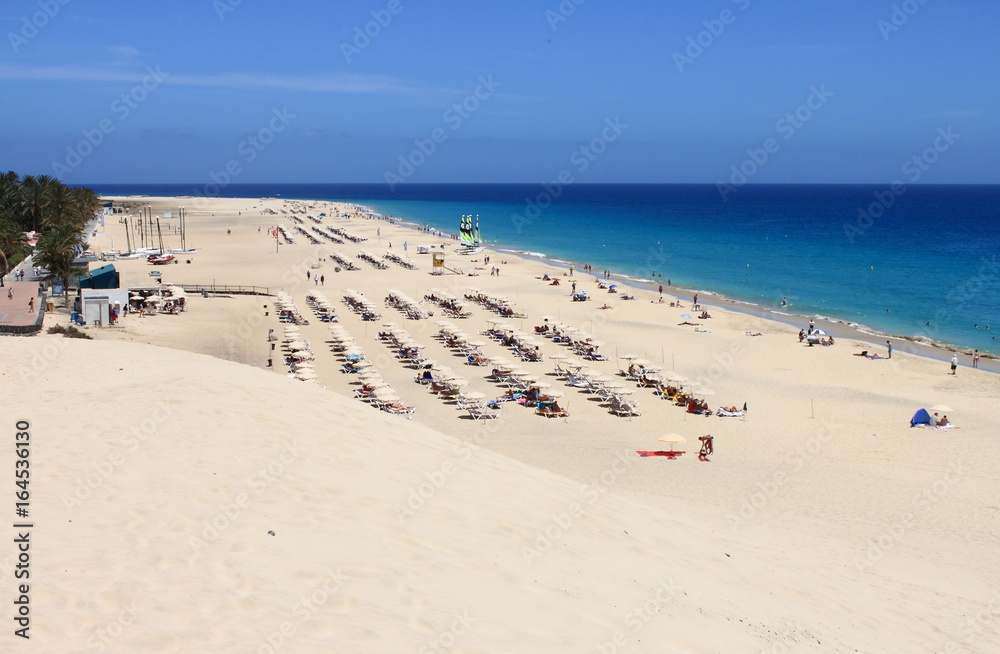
{"x": 325, "y": 83}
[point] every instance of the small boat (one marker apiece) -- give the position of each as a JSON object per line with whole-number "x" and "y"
{"x": 472, "y": 242}
{"x": 160, "y": 259}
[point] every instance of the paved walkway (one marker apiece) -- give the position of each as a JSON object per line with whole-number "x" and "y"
{"x": 14, "y": 312}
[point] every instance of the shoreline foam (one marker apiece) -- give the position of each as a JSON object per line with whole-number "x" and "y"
{"x": 919, "y": 345}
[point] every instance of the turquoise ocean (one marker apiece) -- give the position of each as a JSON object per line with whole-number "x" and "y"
{"x": 923, "y": 263}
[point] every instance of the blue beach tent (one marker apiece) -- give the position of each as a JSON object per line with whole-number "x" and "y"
{"x": 921, "y": 417}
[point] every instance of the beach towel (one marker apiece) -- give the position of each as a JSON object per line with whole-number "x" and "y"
{"x": 938, "y": 427}
{"x": 669, "y": 455}
{"x": 730, "y": 414}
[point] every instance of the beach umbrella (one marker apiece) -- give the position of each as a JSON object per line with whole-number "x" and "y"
{"x": 943, "y": 408}
{"x": 685, "y": 315}
{"x": 672, "y": 439}
{"x": 541, "y": 384}
{"x": 297, "y": 345}
{"x": 641, "y": 362}
{"x": 554, "y": 394}
{"x": 628, "y": 357}
{"x": 703, "y": 391}
{"x": 624, "y": 391}
{"x": 558, "y": 357}
{"x": 474, "y": 395}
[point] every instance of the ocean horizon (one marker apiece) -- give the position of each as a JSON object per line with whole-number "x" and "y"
{"x": 918, "y": 262}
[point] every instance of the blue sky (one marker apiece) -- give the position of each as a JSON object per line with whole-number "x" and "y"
{"x": 115, "y": 91}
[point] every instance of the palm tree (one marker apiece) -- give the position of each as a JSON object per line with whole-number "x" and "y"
{"x": 61, "y": 207}
{"x": 9, "y": 192}
{"x": 86, "y": 203}
{"x": 13, "y": 245}
{"x": 56, "y": 250}
{"x": 35, "y": 198}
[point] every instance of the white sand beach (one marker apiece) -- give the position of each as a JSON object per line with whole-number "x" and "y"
{"x": 187, "y": 496}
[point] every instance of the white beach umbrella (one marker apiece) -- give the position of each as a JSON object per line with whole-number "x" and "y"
{"x": 672, "y": 439}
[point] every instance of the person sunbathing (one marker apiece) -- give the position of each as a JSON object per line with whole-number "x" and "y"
{"x": 704, "y": 315}
{"x": 697, "y": 406}
{"x": 944, "y": 422}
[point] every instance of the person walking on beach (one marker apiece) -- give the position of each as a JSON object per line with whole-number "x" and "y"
{"x": 975, "y": 358}
{"x": 661, "y": 290}
{"x": 889, "y": 345}
{"x": 322, "y": 280}
{"x": 954, "y": 363}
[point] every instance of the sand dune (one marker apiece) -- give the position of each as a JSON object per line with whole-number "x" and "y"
{"x": 824, "y": 523}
